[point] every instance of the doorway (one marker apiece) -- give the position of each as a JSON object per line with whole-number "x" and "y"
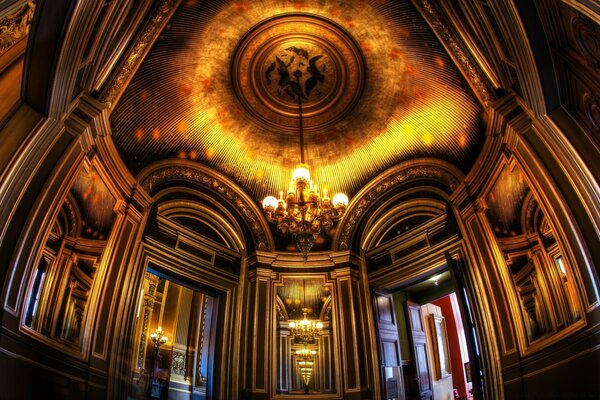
{"x": 175, "y": 333}
{"x": 436, "y": 355}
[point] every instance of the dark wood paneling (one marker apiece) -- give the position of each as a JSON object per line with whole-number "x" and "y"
{"x": 23, "y": 211}
{"x": 43, "y": 50}
{"x": 50, "y": 382}
{"x": 261, "y": 334}
{"x": 349, "y": 358}
{"x": 360, "y": 338}
{"x": 250, "y": 334}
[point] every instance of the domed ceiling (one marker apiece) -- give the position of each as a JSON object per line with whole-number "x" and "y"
{"x": 221, "y": 85}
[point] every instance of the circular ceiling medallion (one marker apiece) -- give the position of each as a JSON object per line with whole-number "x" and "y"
{"x": 297, "y": 55}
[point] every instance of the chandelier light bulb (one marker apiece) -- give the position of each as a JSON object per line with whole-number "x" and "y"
{"x": 270, "y": 201}
{"x": 157, "y": 337}
{"x": 319, "y": 325}
{"x": 292, "y": 324}
{"x": 340, "y": 199}
{"x": 301, "y": 173}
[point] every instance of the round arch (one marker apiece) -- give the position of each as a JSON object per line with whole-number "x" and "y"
{"x": 225, "y": 196}
{"x": 408, "y": 177}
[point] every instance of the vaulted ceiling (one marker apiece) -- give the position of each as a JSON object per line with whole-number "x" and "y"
{"x": 218, "y": 87}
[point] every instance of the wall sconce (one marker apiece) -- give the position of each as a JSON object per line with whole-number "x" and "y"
{"x": 159, "y": 339}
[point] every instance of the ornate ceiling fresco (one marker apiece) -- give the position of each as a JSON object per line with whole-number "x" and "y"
{"x": 95, "y": 204}
{"x": 219, "y": 88}
{"x": 505, "y": 202}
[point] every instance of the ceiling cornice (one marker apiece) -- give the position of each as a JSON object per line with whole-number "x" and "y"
{"x": 456, "y": 48}
{"x": 116, "y": 86}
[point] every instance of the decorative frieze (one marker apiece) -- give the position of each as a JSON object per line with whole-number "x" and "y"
{"x": 460, "y": 55}
{"x": 178, "y": 362}
{"x": 382, "y": 188}
{"x": 138, "y": 52}
{"x": 225, "y": 190}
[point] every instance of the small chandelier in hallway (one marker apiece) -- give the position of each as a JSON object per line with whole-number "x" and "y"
{"x": 305, "y": 212}
{"x": 305, "y": 331}
{"x": 305, "y": 359}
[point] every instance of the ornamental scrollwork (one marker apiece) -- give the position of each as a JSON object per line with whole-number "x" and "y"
{"x": 215, "y": 185}
{"x": 138, "y": 52}
{"x": 460, "y": 55}
{"x": 178, "y": 362}
{"x": 15, "y": 26}
{"x": 375, "y": 193}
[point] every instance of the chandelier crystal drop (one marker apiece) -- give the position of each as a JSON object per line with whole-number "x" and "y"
{"x": 304, "y": 210}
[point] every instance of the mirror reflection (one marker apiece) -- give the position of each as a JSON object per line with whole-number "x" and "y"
{"x": 541, "y": 278}
{"x": 63, "y": 281}
{"x": 304, "y": 336}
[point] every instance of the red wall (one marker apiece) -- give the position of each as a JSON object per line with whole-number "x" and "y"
{"x": 458, "y": 372}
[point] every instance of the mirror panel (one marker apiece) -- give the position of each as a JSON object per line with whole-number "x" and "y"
{"x": 62, "y": 284}
{"x": 305, "y": 363}
{"x": 541, "y": 279}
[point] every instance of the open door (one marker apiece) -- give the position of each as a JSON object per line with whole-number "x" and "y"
{"x": 389, "y": 346}
{"x": 420, "y": 385}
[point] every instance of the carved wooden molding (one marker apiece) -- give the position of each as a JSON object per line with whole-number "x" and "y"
{"x": 433, "y": 170}
{"x": 181, "y": 170}
{"x": 456, "y": 48}
{"x": 111, "y": 92}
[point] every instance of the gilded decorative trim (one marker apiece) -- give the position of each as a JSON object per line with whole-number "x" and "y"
{"x": 225, "y": 190}
{"x": 438, "y": 24}
{"x": 113, "y": 91}
{"x": 15, "y": 26}
{"x": 374, "y": 193}
{"x": 178, "y": 362}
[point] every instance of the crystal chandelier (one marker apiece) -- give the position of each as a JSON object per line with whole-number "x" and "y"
{"x": 305, "y": 211}
{"x": 305, "y": 331}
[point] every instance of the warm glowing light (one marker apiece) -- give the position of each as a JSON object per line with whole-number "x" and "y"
{"x": 158, "y": 337}
{"x": 427, "y": 139}
{"x": 340, "y": 199}
{"x": 354, "y": 159}
{"x": 306, "y": 352}
{"x": 301, "y": 172}
{"x": 181, "y": 126}
{"x": 305, "y": 330}
{"x": 270, "y": 201}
